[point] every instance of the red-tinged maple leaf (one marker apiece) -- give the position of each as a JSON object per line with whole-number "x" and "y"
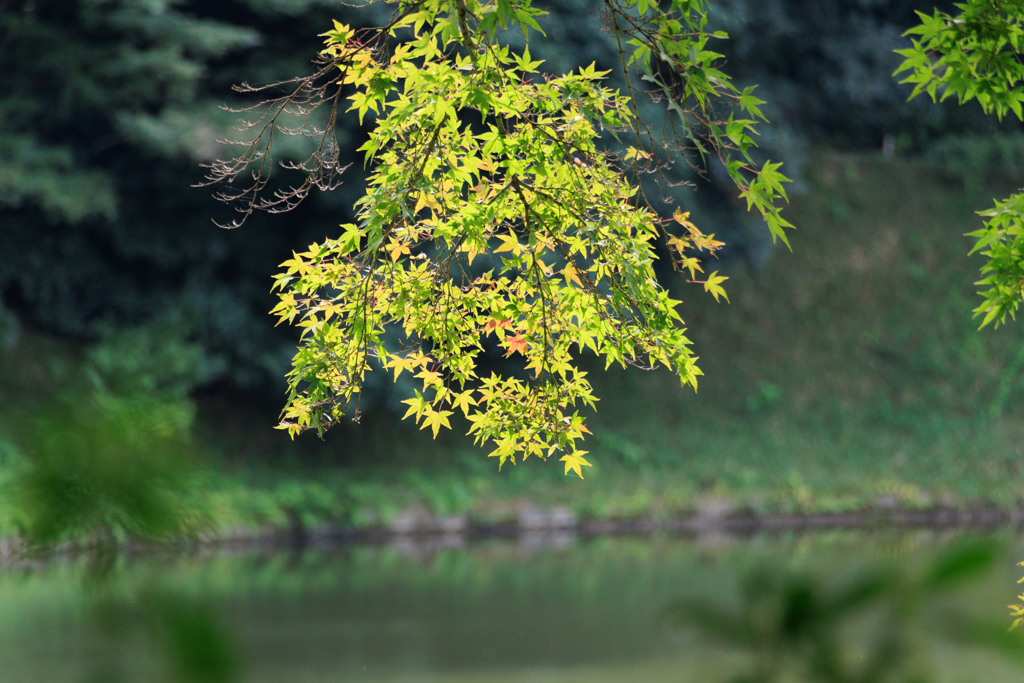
{"x": 493, "y": 324}
{"x": 516, "y": 344}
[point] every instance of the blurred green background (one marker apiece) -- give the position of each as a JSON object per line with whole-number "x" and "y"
{"x": 845, "y": 375}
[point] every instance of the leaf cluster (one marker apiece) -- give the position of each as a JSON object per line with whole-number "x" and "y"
{"x": 977, "y": 56}
{"x": 496, "y": 213}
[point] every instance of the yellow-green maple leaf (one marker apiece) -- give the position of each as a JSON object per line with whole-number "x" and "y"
{"x": 435, "y": 419}
{"x": 463, "y": 401}
{"x": 573, "y": 461}
{"x": 712, "y": 285}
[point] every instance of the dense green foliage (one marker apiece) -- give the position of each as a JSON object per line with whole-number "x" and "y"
{"x": 976, "y": 56}
{"x": 471, "y": 157}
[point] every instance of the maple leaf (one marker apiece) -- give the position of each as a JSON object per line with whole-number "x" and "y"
{"x": 429, "y": 378}
{"x": 400, "y": 363}
{"x": 426, "y": 199}
{"x": 679, "y": 244}
{"x": 470, "y": 253}
{"x": 505, "y": 451}
{"x": 634, "y": 153}
{"x": 463, "y": 401}
{"x": 691, "y": 264}
{"x": 494, "y": 324}
{"x": 435, "y": 419}
{"x": 516, "y": 343}
{"x": 683, "y": 218}
{"x": 396, "y": 250}
{"x": 416, "y": 406}
{"x": 569, "y": 273}
{"x": 533, "y": 448}
{"x": 712, "y": 285}
{"x": 509, "y": 243}
{"x": 573, "y": 461}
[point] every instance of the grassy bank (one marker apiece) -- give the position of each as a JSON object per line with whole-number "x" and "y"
{"x": 847, "y": 374}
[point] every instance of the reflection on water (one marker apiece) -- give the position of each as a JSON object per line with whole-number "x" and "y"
{"x": 899, "y": 606}
{"x": 794, "y": 621}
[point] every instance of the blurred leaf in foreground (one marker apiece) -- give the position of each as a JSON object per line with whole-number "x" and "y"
{"x": 106, "y": 469}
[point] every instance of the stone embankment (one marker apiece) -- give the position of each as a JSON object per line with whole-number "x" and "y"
{"x": 533, "y": 527}
{"x": 559, "y": 525}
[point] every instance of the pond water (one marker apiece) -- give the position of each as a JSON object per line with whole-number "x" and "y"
{"x": 839, "y": 606}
